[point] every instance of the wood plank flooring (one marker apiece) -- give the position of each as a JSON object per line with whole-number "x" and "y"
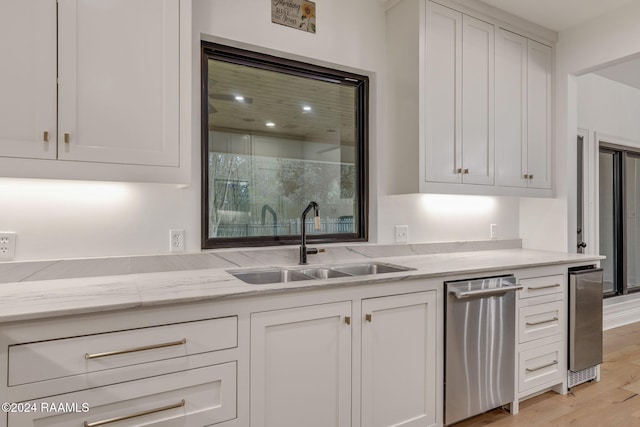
{"x": 612, "y": 402}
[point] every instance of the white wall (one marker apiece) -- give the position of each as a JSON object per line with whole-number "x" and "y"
{"x": 56, "y": 219}
{"x": 607, "y": 40}
{"x": 609, "y": 107}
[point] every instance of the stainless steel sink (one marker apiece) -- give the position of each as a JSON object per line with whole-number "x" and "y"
{"x": 265, "y": 276}
{"x": 323, "y": 273}
{"x": 369, "y": 268}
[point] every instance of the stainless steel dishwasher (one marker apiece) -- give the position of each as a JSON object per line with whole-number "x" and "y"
{"x": 479, "y": 346}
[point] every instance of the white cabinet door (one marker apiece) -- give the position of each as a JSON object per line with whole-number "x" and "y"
{"x": 459, "y": 68}
{"x": 511, "y": 109}
{"x": 118, "y": 65}
{"x": 28, "y": 78}
{"x": 399, "y": 360}
{"x": 539, "y": 115}
{"x": 523, "y": 112}
{"x": 443, "y": 98}
{"x": 301, "y": 367}
{"x": 477, "y": 101}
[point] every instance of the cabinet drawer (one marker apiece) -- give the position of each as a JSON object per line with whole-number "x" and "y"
{"x": 539, "y": 366}
{"x": 540, "y": 321}
{"x": 538, "y": 286}
{"x": 39, "y": 361}
{"x": 192, "y": 398}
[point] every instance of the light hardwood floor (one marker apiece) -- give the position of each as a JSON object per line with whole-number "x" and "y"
{"x": 612, "y": 402}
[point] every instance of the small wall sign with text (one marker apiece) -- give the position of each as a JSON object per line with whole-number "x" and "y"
{"x": 300, "y": 14}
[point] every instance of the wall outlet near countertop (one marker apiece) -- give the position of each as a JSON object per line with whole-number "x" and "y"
{"x": 176, "y": 240}
{"x": 493, "y": 231}
{"x": 7, "y": 244}
{"x": 402, "y": 233}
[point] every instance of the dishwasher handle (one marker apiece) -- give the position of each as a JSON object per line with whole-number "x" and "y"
{"x": 460, "y": 294}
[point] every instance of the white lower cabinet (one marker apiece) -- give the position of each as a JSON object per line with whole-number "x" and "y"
{"x": 301, "y": 367}
{"x": 192, "y": 398}
{"x": 123, "y": 369}
{"x": 399, "y": 360}
{"x": 542, "y": 314}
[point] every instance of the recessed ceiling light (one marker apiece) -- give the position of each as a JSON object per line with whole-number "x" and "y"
{"x": 239, "y": 98}
{"x": 306, "y": 108}
{"x": 270, "y": 124}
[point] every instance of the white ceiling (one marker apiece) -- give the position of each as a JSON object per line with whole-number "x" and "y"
{"x": 557, "y": 15}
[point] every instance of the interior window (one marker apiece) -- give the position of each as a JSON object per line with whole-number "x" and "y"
{"x": 277, "y": 135}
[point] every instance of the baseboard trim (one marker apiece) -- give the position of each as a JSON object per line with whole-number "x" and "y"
{"x": 620, "y": 311}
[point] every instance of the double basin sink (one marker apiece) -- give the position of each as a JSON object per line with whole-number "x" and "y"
{"x": 265, "y": 276}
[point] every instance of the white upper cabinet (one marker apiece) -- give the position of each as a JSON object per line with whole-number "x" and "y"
{"x": 97, "y": 88}
{"x": 28, "y": 78}
{"x": 523, "y": 112}
{"x": 459, "y": 97}
{"x": 477, "y": 101}
{"x": 119, "y": 81}
{"x": 469, "y": 111}
{"x": 443, "y": 78}
{"x": 539, "y": 115}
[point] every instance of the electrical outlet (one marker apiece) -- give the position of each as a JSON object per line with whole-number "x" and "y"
{"x": 176, "y": 240}
{"x": 7, "y": 245}
{"x": 493, "y": 231}
{"x": 402, "y": 233}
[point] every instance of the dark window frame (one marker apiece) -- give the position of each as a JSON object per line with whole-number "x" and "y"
{"x": 272, "y": 63}
{"x": 620, "y": 261}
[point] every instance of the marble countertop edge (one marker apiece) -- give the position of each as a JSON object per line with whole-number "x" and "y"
{"x": 41, "y": 299}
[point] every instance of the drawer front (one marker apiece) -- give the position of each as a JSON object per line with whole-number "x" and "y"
{"x": 538, "y": 286}
{"x": 540, "y": 321}
{"x": 46, "y": 360}
{"x": 540, "y": 366}
{"x": 193, "y": 398}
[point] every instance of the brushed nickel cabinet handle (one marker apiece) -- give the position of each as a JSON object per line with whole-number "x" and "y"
{"x": 135, "y": 349}
{"x": 541, "y": 322}
{"x": 139, "y": 414}
{"x": 555, "y": 362}
{"x": 466, "y": 171}
{"x": 67, "y": 138}
{"x": 536, "y": 288}
{"x": 459, "y": 170}
{"x": 347, "y": 320}
{"x": 368, "y": 317}
{"x": 530, "y": 176}
{"x": 525, "y": 176}
{"x": 45, "y": 136}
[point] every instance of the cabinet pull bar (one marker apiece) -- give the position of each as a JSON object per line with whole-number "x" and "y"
{"x": 347, "y": 320}
{"x": 67, "y": 138}
{"x": 541, "y": 322}
{"x": 459, "y": 170}
{"x": 139, "y": 414}
{"x": 368, "y": 317}
{"x": 555, "y": 362}
{"x": 45, "y": 136}
{"x": 466, "y": 171}
{"x": 135, "y": 349}
{"x": 535, "y": 288}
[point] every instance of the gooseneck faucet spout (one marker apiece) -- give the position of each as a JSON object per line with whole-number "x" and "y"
{"x": 304, "y": 251}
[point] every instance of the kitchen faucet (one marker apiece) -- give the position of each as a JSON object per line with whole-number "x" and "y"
{"x": 304, "y": 251}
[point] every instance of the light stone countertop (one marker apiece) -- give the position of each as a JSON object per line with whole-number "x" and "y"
{"x": 38, "y": 299}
